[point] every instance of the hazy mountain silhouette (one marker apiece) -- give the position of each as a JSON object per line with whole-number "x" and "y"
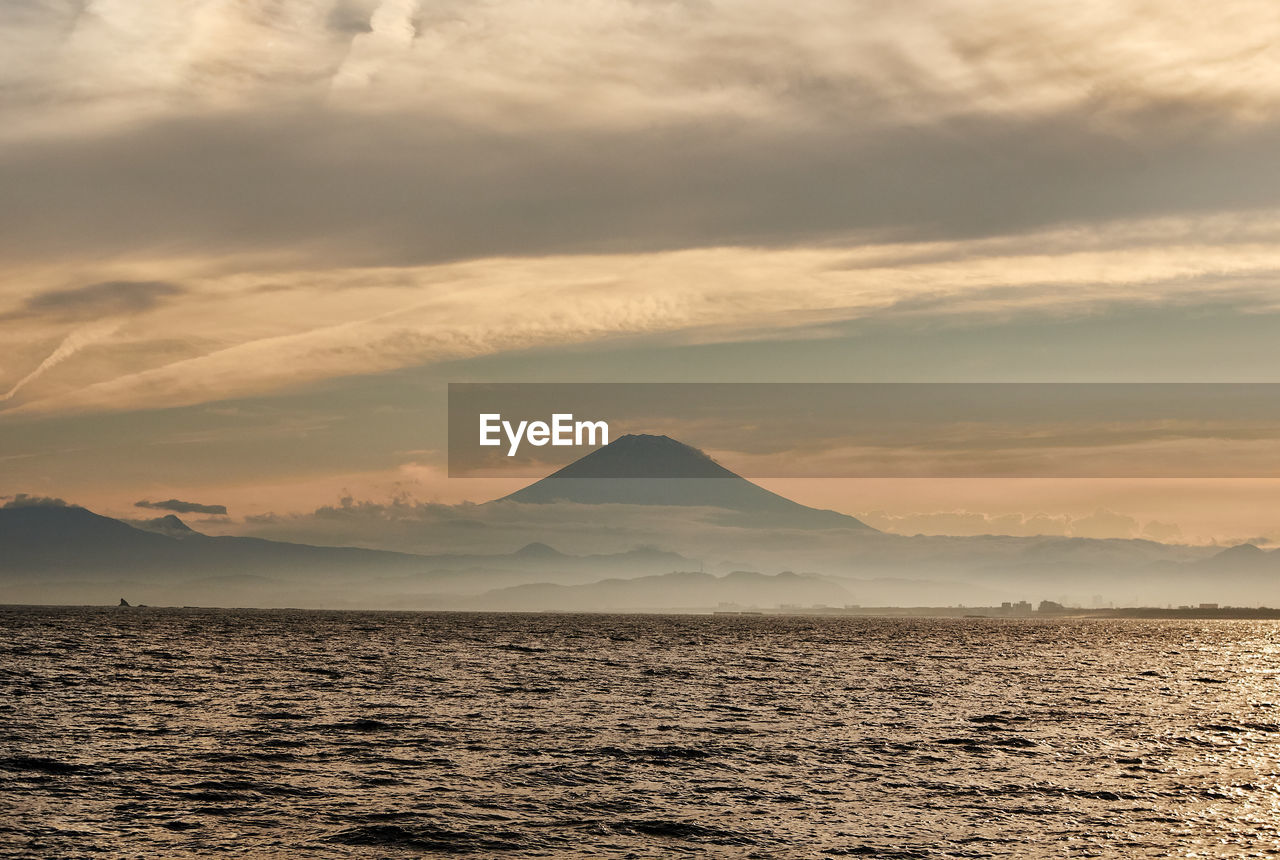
{"x": 678, "y": 590}
{"x": 167, "y": 525}
{"x": 539, "y": 550}
{"x": 62, "y": 553}
{"x": 70, "y": 554}
{"x": 1244, "y": 558}
{"x": 538, "y": 562}
{"x": 74, "y": 541}
{"x": 658, "y": 470}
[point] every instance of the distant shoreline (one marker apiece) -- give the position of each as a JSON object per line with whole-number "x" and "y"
{"x": 976, "y": 612}
{"x": 1225, "y": 612}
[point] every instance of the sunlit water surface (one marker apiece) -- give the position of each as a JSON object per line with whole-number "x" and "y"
{"x": 178, "y": 733}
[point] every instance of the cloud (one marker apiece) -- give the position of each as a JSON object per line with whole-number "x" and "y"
{"x": 404, "y": 133}
{"x": 95, "y": 301}
{"x": 1162, "y": 532}
{"x": 22, "y": 500}
{"x": 1105, "y": 524}
{"x": 351, "y": 16}
{"x": 969, "y": 523}
{"x": 180, "y": 507}
{"x": 624, "y": 62}
{"x": 402, "y": 522}
{"x": 1101, "y": 524}
{"x": 356, "y": 190}
{"x": 234, "y": 339}
{"x": 504, "y": 176}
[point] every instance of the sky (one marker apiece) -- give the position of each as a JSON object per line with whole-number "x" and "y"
{"x": 244, "y": 246}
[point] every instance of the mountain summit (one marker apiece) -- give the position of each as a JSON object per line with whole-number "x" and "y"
{"x": 644, "y": 456}
{"x": 658, "y": 470}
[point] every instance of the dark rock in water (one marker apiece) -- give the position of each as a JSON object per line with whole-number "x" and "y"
{"x": 123, "y": 602}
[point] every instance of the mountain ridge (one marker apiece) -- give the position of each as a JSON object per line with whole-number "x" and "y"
{"x": 649, "y": 470}
{"x": 66, "y": 551}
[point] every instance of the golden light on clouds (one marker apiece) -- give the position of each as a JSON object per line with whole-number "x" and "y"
{"x": 213, "y": 200}
{"x": 636, "y": 62}
{"x": 227, "y": 335}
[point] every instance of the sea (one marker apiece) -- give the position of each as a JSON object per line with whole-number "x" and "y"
{"x": 175, "y": 733}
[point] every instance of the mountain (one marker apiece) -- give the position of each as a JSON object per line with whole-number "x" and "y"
{"x": 167, "y": 525}
{"x": 647, "y": 490}
{"x": 67, "y": 554}
{"x": 537, "y": 562}
{"x": 49, "y": 541}
{"x": 657, "y": 470}
{"x": 1243, "y": 560}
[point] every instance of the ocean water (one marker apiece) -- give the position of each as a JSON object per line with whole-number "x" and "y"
{"x": 288, "y": 734}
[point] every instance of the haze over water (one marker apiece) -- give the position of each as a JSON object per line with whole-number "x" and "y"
{"x": 184, "y": 733}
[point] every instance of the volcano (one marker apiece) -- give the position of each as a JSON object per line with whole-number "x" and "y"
{"x": 657, "y": 470}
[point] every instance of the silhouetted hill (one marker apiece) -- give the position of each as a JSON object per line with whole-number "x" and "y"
{"x": 48, "y": 538}
{"x": 539, "y": 551}
{"x": 167, "y": 525}
{"x": 59, "y": 553}
{"x": 74, "y": 541}
{"x": 658, "y": 470}
{"x": 1244, "y": 558}
{"x": 70, "y": 554}
{"x": 538, "y": 562}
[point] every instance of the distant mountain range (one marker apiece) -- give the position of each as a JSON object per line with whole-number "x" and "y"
{"x": 67, "y": 554}
{"x": 62, "y": 541}
{"x": 70, "y": 554}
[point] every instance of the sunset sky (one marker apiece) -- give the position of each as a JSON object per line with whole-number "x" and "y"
{"x": 244, "y": 246}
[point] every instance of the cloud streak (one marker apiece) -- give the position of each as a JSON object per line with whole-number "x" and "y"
{"x": 181, "y": 507}
{"x": 239, "y": 339}
{"x": 70, "y": 346}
